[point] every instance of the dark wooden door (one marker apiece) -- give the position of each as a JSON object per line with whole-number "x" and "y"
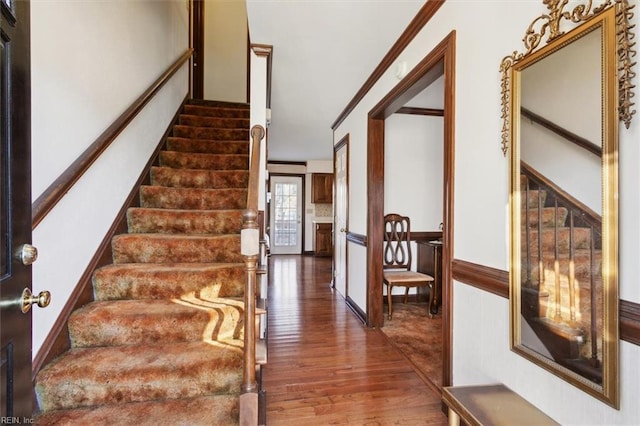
{"x": 197, "y": 43}
{"x": 15, "y": 208}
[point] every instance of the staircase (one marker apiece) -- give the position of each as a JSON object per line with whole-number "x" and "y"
{"x": 561, "y": 274}
{"x": 162, "y": 342}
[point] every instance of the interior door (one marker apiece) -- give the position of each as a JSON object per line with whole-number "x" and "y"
{"x": 286, "y": 214}
{"x": 341, "y": 220}
{"x": 15, "y": 209}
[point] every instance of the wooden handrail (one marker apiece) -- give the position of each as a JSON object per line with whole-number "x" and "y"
{"x": 57, "y": 190}
{"x": 562, "y": 132}
{"x": 250, "y": 249}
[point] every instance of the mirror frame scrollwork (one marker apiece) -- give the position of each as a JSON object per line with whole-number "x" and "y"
{"x": 549, "y": 25}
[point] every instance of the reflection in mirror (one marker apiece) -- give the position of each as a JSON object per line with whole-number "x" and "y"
{"x": 564, "y": 292}
{"x": 561, "y": 206}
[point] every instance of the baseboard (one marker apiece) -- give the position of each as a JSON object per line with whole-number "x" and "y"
{"x": 356, "y": 310}
{"x": 57, "y": 341}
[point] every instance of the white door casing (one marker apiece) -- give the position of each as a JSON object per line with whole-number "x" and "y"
{"x": 341, "y": 219}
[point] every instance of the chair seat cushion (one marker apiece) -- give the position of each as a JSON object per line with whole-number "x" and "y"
{"x": 407, "y": 278}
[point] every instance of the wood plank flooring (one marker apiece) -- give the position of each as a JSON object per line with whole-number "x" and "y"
{"x": 324, "y": 367}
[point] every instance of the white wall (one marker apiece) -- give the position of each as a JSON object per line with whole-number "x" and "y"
{"x": 547, "y": 152}
{"x": 413, "y": 162}
{"x": 225, "y": 50}
{"x": 480, "y": 319}
{"x": 90, "y": 61}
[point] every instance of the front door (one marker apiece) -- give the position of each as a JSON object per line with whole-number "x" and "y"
{"x": 286, "y": 215}
{"x": 15, "y": 209}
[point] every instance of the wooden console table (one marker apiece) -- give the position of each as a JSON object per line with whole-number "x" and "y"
{"x": 430, "y": 262}
{"x": 491, "y": 405}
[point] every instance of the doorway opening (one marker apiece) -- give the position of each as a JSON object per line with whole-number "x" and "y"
{"x": 439, "y": 63}
{"x": 285, "y": 214}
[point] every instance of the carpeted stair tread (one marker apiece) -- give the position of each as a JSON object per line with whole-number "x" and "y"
{"x": 581, "y": 239}
{"x": 170, "y": 248}
{"x": 549, "y": 218}
{"x": 193, "y": 198}
{"x": 210, "y": 133}
{"x": 201, "y": 411}
{"x": 213, "y": 121}
{"x": 150, "y": 322}
{"x": 169, "y": 280}
{"x": 94, "y": 376}
{"x": 186, "y": 178}
{"x": 206, "y": 103}
{"x": 207, "y": 146}
{"x": 174, "y": 221}
{"x": 191, "y": 160}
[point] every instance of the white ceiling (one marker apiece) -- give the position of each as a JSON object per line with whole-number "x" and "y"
{"x": 323, "y": 52}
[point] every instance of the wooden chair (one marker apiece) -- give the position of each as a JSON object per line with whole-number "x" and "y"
{"x": 397, "y": 259}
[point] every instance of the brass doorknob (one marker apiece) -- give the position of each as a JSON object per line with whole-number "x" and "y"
{"x": 42, "y": 299}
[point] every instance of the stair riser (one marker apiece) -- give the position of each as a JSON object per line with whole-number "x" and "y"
{"x": 163, "y": 176}
{"x": 142, "y": 248}
{"x": 210, "y": 133}
{"x": 533, "y": 199}
{"x": 209, "y": 410}
{"x": 131, "y": 374}
{"x": 219, "y": 122}
{"x": 193, "y": 199}
{"x": 151, "y": 322}
{"x": 184, "y": 221}
{"x": 117, "y": 282}
{"x": 205, "y": 103}
{"x": 180, "y": 160}
{"x": 207, "y": 146}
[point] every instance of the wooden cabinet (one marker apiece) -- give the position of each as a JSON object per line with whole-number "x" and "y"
{"x": 324, "y": 240}
{"x": 322, "y": 188}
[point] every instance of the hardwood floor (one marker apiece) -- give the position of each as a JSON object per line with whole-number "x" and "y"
{"x": 325, "y": 367}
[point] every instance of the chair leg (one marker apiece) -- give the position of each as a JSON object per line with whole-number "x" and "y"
{"x": 433, "y": 308}
{"x": 390, "y": 310}
{"x": 406, "y": 295}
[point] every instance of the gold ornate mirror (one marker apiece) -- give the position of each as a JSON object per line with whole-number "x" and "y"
{"x": 561, "y": 106}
